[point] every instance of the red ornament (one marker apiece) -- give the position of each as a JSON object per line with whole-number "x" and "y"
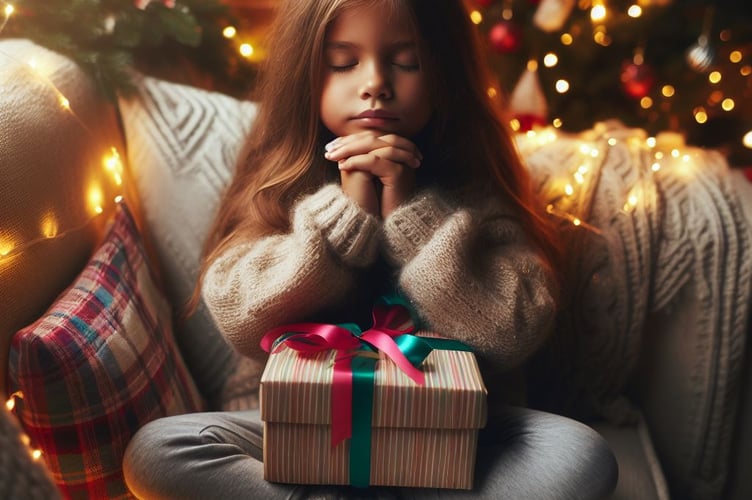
{"x": 637, "y": 80}
{"x": 529, "y": 121}
{"x": 505, "y": 37}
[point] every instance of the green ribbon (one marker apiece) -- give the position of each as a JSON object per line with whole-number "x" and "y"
{"x": 415, "y": 349}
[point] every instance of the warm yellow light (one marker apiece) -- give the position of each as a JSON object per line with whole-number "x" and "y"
{"x": 557, "y": 122}
{"x": 476, "y": 17}
{"x": 701, "y": 116}
{"x": 735, "y": 56}
{"x": 507, "y": 14}
{"x": 601, "y": 38}
{"x": 119, "y": 198}
{"x": 651, "y": 141}
{"x": 668, "y": 90}
{"x": 659, "y": 155}
{"x": 36, "y": 454}
{"x": 715, "y": 77}
{"x": 646, "y": 102}
{"x": 562, "y": 86}
{"x": 579, "y": 178}
{"x": 576, "y": 221}
{"x": 64, "y": 102}
{"x": 598, "y": 12}
{"x": 10, "y": 404}
{"x": 49, "y": 226}
{"x": 612, "y": 141}
{"x": 532, "y": 65}
{"x": 566, "y": 39}
{"x": 655, "y": 166}
{"x": 634, "y": 11}
{"x": 675, "y": 153}
{"x": 747, "y": 140}
{"x": 745, "y": 70}
{"x": 728, "y": 104}
{"x": 515, "y": 124}
{"x": 6, "y": 247}
{"x": 114, "y": 165}
{"x": 550, "y": 60}
{"x": 569, "y": 190}
{"x": 229, "y": 32}
{"x": 246, "y": 49}
{"x": 9, "y": 10}
{"x": 95, "y": 197}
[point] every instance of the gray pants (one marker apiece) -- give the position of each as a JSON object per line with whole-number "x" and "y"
{"x": 522, "y": 454}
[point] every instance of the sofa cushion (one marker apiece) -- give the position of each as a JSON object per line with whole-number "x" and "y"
{"x": 99, "y": 364}
{"x": 183, "y": 144}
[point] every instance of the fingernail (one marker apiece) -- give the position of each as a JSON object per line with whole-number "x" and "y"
{"x": 331, "y": 145}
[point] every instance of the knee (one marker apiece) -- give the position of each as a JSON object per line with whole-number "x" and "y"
{"x": 147, "y": 462}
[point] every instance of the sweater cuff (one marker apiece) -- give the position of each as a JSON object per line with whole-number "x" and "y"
{"x": 411, "y": 226}
{"x": 351, "y": 232}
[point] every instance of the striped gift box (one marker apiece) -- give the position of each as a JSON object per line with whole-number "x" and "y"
{"x": 421, "y": 436}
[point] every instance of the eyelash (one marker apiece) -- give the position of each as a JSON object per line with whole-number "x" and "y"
{"x": 347, "y": 67}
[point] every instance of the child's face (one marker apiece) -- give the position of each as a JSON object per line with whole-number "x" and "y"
{"x": 372, "y": 79}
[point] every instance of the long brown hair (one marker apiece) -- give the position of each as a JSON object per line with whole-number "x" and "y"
{"x": 468, "y": 144}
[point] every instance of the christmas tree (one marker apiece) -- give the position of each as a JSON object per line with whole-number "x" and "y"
{"x": 680, "y": 65}
{"x": 110, "y": 38}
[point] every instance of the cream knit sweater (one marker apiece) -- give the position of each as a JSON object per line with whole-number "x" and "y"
{"x": 469, "y": 272}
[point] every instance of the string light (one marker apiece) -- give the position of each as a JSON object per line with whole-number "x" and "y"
{"x": 229, "y": 32}
{"x": 8, "y": 11}
{"x": 49, "y": 226}
{"x": 476, "y": 17}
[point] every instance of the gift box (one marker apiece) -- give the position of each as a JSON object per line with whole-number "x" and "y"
{"x": 403, "y": 433}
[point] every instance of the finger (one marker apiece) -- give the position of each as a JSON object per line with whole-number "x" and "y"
{"x": 366, "y": 143}
{"x": 401, "y": 143}
{"x": 388, "y": 171}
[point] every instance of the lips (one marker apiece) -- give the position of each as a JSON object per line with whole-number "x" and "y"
{"x": 379, "y": 114}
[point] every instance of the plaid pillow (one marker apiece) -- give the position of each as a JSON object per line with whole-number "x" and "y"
{"x": 99, "y": 364}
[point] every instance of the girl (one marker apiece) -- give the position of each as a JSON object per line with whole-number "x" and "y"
{"x": 378, "y": 161}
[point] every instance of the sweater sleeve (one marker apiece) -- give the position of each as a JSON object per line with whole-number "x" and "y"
{"x": 257, "y": 285}
{"x": 473, "y": 276}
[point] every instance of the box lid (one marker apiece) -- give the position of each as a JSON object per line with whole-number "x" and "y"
{"x": 297, "y": 389}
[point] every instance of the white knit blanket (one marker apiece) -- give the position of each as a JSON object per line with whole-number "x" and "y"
{"x": 653, "y": 220}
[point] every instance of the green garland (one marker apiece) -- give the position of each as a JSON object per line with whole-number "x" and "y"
{"x": 109, "y": 38}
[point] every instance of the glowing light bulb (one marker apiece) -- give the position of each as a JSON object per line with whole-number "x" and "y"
{"x": 246, "y": 50}
{"x": 668, "y": 90}
{"x": 735, "y": 56}
{"x": 715, "y": 77}
{"x": 492, "y": 93}
{"x": 634, "y": 11}
{"x": 9, "y": 9}
{"x": 650, "y": 141}
{"x": 550, "y": 60}
{"x": 64, "y": 102}
{"x": 576, "y": 221}
{"x": 701, "y": 116}
{"x": 728, "y": 104}
{"x": 569, "y": 190}
{"x": 476, "y": 17}
{"x": 747, "y": 140}
{"x": 562, "y": 86}
{"x": 10, "y": 404}
{"x": 36, "y": 454}
{"x": 598, "y": 12}
{"x": 515, "y": 124}
{"x": 646, "y": 102}
{"x": 557, "y": 122}
{"x": 49, "y": 226}
{"x": 566, "y": 39}
{"x": 229, "y": 32}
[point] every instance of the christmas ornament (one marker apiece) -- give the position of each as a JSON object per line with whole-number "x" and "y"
{"x": 552, "y": 14}
{"x": 527, "y": 102}
{"x": 505, "y": 37}
{"x": 637, "y": 80}
{"x": 700, "y": 55}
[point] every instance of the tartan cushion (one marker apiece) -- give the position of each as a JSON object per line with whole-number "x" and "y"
{"x": 99, "y": 364}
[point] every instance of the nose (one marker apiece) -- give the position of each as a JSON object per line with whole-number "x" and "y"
{"x": 376, "y": 83}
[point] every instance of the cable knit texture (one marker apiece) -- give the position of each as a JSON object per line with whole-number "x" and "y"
{"x": 258, "y": 285}
{"x": 677, "y": 264}
{"x": 469, "y": 272}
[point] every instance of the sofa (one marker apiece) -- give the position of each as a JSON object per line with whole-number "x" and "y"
{"x": 104, "y": 206}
